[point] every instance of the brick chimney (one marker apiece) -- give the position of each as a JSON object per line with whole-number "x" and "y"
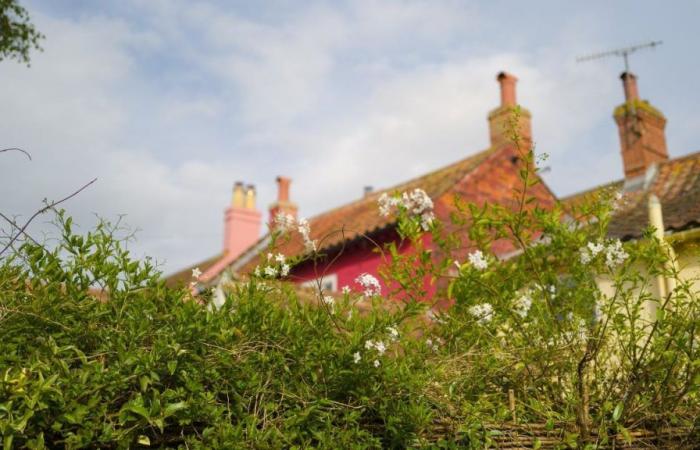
{"x": 641, "y": 128}
{"x": 499, "y": 118}
{"x": 242, "y": 221}
{"x": 282, "y": 204}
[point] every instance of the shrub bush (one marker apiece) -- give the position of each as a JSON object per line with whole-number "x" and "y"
{"x": 558, "y": 334}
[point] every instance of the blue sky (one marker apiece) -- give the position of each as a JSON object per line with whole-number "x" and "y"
{"x": 168, "y": 103}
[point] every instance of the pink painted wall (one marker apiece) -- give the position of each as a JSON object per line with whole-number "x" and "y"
{"x": 354, "y": 262}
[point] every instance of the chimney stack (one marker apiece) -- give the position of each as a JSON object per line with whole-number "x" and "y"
{"x": 283, "y": 204}
{"x": 641, "y": 128}
{"x": 242, "y": 222}
{"x": 500, "y": 118}
{"x": 368, "y": 191}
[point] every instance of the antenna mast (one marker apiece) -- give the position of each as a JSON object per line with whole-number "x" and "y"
{"x": 624, "y": 52}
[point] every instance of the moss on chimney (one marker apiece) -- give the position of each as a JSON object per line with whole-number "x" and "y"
{"x": 642, "y": 105}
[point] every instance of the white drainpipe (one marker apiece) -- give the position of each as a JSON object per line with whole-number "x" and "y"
{"x": 656, "y": 220}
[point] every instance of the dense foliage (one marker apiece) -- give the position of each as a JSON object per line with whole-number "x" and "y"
{"x": 567, "y": 332}
{"x": 17, "y": 34}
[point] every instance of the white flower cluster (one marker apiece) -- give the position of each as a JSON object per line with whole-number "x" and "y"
{"x": 393, "y": 333}
{"x": 346, "y": 290}
{"x": 482, "y": 312}
{"x": 370, "y": 285}
{"x": 196, "y": 273}
{"x": 434, "y": 345}
{"x": 277, "y": 267}
{"x": 377, "y": 347}
{"x": 287, "y": 222}
{"x": 477, "y": 259}
{"x": 614, "y": 253}
{"x": 523, "y": 304}
{"x": 416, "y": 202}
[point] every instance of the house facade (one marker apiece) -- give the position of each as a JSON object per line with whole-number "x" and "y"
{"x": 349, "y": 237}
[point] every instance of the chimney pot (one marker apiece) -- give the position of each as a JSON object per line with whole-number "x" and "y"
{"x": 507, "y": 83}
{"x": 368, "y": 190}
{"x": 238, "y": 200}
{"x": 283, "y": 188}
{"x": 283, "y": 204}
{"x": 629, "y": 82}
{"x": 250, "y": 196}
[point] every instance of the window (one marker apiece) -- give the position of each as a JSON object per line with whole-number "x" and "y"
{"x": 329, "y": 283}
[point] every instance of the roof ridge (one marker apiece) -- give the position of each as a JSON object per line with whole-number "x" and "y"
{"x": 481, "y": 153}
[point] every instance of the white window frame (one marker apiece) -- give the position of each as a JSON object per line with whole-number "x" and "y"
{"x": 329, "y": 283}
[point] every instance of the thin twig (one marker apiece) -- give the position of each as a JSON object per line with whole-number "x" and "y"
{"x": 15, "y": 149}
{"x": 43, "y": 210}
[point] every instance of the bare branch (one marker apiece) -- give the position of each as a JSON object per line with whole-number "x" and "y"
{"x": 18, "y": 228}
{"x": 15, "y": 149}
{"x": 43, "y": 210}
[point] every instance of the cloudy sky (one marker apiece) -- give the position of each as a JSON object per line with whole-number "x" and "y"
{"x": 168, "y": 102}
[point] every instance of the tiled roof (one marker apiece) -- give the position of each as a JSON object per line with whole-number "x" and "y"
{"x": 676, "y": 184}
{"x": 349, "y": 221}
{"x": 184, "y": 276}
{"x": 361, "y": 217}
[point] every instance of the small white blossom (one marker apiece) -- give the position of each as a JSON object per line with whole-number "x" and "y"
{"x": 376, "y": 363}
{"x": 330, "y": 301}
{"x": 369, "y": 344}
{"x": 284, "y": 270}
{"x": 196, "y": 273}
{"x": 426, "y": 219}
{"x": 393, "y": 333}
{"x": 270, "y": 271}
{"x": 345, "y": 290}
{"x": 615, "y": 254}
{"x": 349, "y": 314}
{"x": 370, "y": 284}
{"x": 477, "y": 260}
{"x": 433, "y": 345}
{"x": 417, "y": 202}
{"x": 284, "y": 222}
{"x": 386, "y": 204}
{"x": 280, "y": 258}
{"x": 523, "y": 304}
{"x": 256, "y": 272}
{"x": 482, "y": 312}
{"x": 356, "y": 357}
{"x": 380, "y": 347}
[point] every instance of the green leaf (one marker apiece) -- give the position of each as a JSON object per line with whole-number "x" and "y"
{"x": 144, "y": 440}
{"x": 172, "y": 365}
{"x": 173, "y": 408}
{"x": 617, "y": 412}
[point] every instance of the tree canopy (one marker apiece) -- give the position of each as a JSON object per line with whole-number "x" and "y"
{"x": 17, "y": 34}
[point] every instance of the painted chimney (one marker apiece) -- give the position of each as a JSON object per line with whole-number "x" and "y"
{"x": 283, "y": 204}
{"x": 641, "y": 128}
{"x": 500, "y": 129}
{"x": 242, "y": 222}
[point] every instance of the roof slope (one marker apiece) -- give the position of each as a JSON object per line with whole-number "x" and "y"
{"x": 362, "y": 217}
{"x": 676, "y": 184}
{"x": 344, "y": 223}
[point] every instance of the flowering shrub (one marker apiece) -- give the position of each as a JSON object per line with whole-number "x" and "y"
{"x": 565, "y": 331}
